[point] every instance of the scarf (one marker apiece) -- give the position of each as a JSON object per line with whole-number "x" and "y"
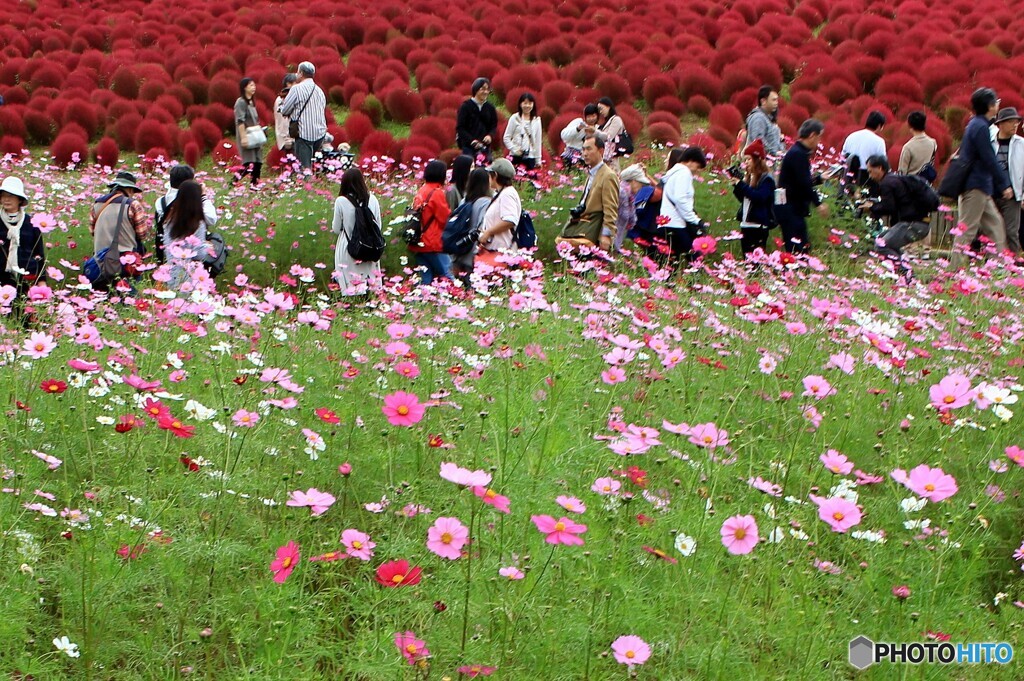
{"x": 13, "y": 223}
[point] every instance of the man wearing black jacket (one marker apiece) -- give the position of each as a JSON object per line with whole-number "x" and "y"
{"x": 909, "y": 223}
{"x": 476, "y": 125}
{"x": 793, "y": 205}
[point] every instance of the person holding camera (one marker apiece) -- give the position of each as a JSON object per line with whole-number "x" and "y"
{"x": 476, "y": 124}
{"x": 754, "y": 186}
{"x": 797, "y": 190}
{"x": 281, "y": 122}
{"x": 593, "y": 221}
{"x": 909, "y": 222}
{"x": 682, "y": 224}
{"x": 305, "y": 105}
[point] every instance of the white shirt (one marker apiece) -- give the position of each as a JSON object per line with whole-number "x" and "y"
{"x": 523, "y": 138}
{"x": 677, "y": 204}
{"x": 573, "y": 135}
{"x": 863, "y": 144}
{"x": 508, "y": 207}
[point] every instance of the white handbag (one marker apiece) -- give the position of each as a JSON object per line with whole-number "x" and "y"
{"x": 255, "y": 137}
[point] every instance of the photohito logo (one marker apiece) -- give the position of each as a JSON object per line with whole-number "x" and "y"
{"x": 864, "y": 652}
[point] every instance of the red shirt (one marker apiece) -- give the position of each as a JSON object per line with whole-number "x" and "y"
{"x": 434, "y": 217}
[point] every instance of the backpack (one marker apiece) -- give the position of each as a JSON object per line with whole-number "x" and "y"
{"x": 412, "y": 233}
{"x": 525, "y": 234}
{"x": 216, "y": 258}
{"x": 159, "y": 219}
{"x": 459, "y": 235}
{"x": 923, "y": 199}
{"x": 647, "y": 213}
{"x": 366, "y": 242}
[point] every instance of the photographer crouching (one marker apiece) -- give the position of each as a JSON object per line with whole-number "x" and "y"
{"x": 905, "y": 206}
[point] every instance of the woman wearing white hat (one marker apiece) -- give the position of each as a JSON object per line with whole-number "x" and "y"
{"x": 22, "y": 253}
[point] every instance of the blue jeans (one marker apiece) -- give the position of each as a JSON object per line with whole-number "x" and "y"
{"x": 305, "y": 149}
{"x": 437, "y": 266}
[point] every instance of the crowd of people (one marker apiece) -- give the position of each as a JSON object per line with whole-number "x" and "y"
{"x": 774, "y": 186}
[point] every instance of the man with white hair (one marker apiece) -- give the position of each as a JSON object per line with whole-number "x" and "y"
{"x": 306, "y": 106}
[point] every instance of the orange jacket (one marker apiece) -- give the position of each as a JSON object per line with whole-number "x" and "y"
{"x": 435, "y": 216}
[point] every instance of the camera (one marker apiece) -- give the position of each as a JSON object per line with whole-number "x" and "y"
{"x": 576, "y": 212}
{"x": 817, "y": 179}
{"x": 735, "y": 171}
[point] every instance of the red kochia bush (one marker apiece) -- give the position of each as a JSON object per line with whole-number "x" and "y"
{"x": 657, "y": 86}
{"x": 106, "y": 152}
{"x": 11, "y": 144}
{"x": 404, "y": 105}
{"x": 67, "y": 146}
{"x": 40, "y": 128}
{"x": 357, "y": 126}
{"x": 663, "y": 133}
{"x": 726, "y": 116}
{"x": 697, "y": 80}
{"x": 614, "y": 86}
{"x": 439, "y": 130}
{"x": 377, "y": 143}
{"x": 11, "y": 122}
{"x": 671, "y": 104}
{"x": 556, "y": 93}
{"x": 898, "y": 86}
{"x": 152, "y": 134}
{"x": 192, "y": 153}
{"x": 699, "y": 105}
{"x": 663, "y": 117}
{"x": 224, "y": 151}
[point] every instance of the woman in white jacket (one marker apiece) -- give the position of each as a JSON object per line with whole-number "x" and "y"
{"x": 523, "y": 134}
{"x": 353, "y": 277}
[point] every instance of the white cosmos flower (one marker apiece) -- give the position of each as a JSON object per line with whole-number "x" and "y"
{"x": 685, "y": 544}
{"x": 67, "y": 647}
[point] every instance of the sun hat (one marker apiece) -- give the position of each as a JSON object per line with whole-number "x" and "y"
{"x": 635, "y": 172}
{"x": 1007, "y": 114}
{"x": 125, "y": 180}
{"x": 502, "y": 167}
{"x": 14, "y": 187}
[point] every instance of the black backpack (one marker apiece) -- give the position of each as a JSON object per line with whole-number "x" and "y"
{"x": 366, "y": 242}
{"x": 923, "y": 200}
{"x": 526, "y": 233}
{"x": 412, "y": 233}
{"x": 459, "y": 234}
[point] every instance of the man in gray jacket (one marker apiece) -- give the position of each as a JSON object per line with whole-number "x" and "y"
{"x": 1009, "y": 148}
{"x": 761, "y": 123}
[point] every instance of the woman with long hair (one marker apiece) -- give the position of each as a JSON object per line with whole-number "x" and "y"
{"x": 185, "y": 231}
{"x": 609, "y": 128}
{"x": 478, "y": 195}
{"x": 460, "y": 174}
{"x": 523, "y": 137}
{"x": 756, "y": 194}
{"x": 246, "y": 117}
{"x": 353, "y": 277}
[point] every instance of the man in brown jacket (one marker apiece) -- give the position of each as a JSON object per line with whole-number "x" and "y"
{"x": 593, "y": 220}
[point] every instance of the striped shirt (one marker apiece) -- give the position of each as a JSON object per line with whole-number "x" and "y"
{"x": 307, "y": 102}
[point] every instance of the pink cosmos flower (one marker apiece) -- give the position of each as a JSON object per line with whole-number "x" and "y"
{"x": 317, "y": 501}
{"x": 492, "y": 498}
{"x": 1016, "y": 455}
{"x": 630, "y": 650}
{"x": 705, "y": 245}
{"x": 287, "y": 559}
{"x": 357, "y": 544}
{"x": 841, "y": 514}
{"x": 708, "y": 435}
{"x": 571, "y": 504}
{"x": 44, "y": 222}
{"x": 38, "y": 345}
{"x": 403, "y": 409}
{"x": 842, "y": 361}
{"x": 561, "y": 531}
{"x": 931, "y": 483}
{"x": 511, "y": 573}
{"x": 412, "y": 648}
{"x": 52, "y": 462}
{"x": 836, "y": 462}
{"x": 446, "y": 537}
{"x": 613, "y": 375}
{"x": 245, "y": 419}
{"x": 951, "y": 392}
{"x": 812, "y": 416}
{"x": 606, "y": 486}
{"x": 739, "y": 534}
{"x": 407, "y": 369}
{"x": 83, "y": 365}
{"x": 465, "y": 477}
{"x": 475, "y": 670}
{"x": 817, "y": 387}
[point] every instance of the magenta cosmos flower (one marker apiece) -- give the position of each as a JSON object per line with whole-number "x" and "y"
{"x": 492, "y": 498}
{"x": 446, "y": 537}
{"x": 317, "y": 501}
{"x": 561, "y": 531}
{"x": 951, "y": 392}
{"x": 708, "y": 435}
{"x": 403, "y": 409}
{"x": 1015, "y": 454}
{"x": 287, "y": 559}
{"x": 841, "y": 514}
{"x": 357, "y": 544}
{"x": 817, "y": 387}
{"x": 836, "y": 462}
{"x": 739, "y": 534}
{"x": 630, "y": 650}
{"x": 412, "y": 648}
{"x": 932, "y": 484}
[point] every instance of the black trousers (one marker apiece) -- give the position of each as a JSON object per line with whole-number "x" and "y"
{"x": 794, "y": 229}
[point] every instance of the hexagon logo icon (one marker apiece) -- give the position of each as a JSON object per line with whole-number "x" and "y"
{"x": 862, "y": 652}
